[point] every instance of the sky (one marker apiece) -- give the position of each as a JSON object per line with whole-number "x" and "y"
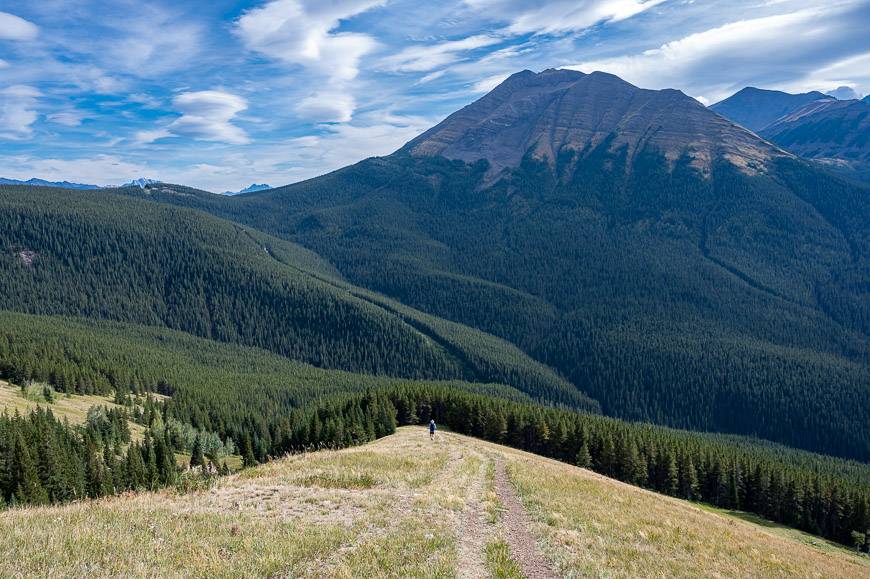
{"x": 220, "y": 94}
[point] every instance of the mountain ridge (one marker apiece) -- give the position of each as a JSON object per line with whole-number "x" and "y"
{"x": 43, "y": 183}
{"x": 756, "y": 108}
{"x": 559, "y": 110}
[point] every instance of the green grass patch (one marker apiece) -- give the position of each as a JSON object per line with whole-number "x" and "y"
{"x": 340, "y": 481}
{"x": 500, "y": 563}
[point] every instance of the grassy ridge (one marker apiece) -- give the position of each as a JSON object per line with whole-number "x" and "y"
{"x": 308, "y": 514}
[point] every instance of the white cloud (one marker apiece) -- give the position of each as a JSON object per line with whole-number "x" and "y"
{"x": 303, "y": 32}
{"x": 206, "y": 115}
{"x": 17, "y": 111}
{"x": 15, "y": 28}
{"x": 422, "y": 58}
{"x": 329, "y": 107}
{"x": 713, "y": 63}
{"x": 852, "y": 72}
{"x": 149, "y": 136}
{"x": 559, "y": 16}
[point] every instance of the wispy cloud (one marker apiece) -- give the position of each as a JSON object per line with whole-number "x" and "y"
{"x": 306, "y": 33}
{"x": 424, "y": 58}
{"x": 17, "y": 111}
{"x": 560, "y": 16}
{"x": 13, "y": 27}
{"x": 713, "y": 63}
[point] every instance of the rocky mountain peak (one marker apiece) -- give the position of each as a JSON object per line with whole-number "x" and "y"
{"x": 556, "y": 110}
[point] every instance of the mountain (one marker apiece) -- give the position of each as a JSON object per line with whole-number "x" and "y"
{"x": 756, "y": 108}
{"x": 249, "y": 189}
{"x": 666, "y": 261}
{"x": 564, "y": 112}
{"x": 44, "y": 183}
{"x": 836, "y": 133}
{"x": 844, "y": 93}
{"x": 141, "y": 182}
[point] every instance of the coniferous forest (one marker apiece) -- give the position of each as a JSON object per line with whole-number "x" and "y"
{"x": 733, "y": 303}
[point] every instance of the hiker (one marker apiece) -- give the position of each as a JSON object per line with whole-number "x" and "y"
{"x": 431, "y": 430}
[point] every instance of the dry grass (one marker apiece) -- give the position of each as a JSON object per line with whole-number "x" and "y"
{"x": 395, "y": 508}
{"x": 73, "y": 408}
{"x": 592, "y": 525}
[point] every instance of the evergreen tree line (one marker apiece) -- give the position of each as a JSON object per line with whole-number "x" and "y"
{"x": 44, "y": 460}
{"x": 108, "y": 257}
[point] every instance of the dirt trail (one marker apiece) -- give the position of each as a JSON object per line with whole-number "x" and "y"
{"x": 474, "y": 530}
{"x": 517, "y": 522}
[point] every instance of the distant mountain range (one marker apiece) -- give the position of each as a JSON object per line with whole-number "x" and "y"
{"x": 44, "y": 183}
{"x": 834, "y": 133}
{"x": 249, "y": 189}
{"x": 756, "y": 108}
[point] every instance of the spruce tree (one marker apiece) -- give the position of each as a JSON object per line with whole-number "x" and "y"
{"x": 197, "y": 459}
{"x": 248, "y": 459}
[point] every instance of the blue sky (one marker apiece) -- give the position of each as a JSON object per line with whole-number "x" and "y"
{"x": 221, "y": 94}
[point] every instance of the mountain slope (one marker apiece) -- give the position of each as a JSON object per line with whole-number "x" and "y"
{"x": 836, "y": 133}
{"x": 756, "y": 108}
{"x": 559, "y": 112}
{"x": 357, "y": 512}
{"x": 666, "y": 261}
{"x": 107, "y": 256}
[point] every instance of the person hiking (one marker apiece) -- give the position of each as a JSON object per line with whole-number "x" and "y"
{"x": 432, "y": 429}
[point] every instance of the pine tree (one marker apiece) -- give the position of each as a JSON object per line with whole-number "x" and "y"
{"x": 24, "y": 476}
{"x": 135, "y": 468}
{"x": 197, "y": 459}
{"x": 583, "y": 458}
{"x": 248, "y": 459}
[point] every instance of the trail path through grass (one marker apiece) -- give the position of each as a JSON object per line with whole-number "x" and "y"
{"x": 407, "y": 507}
{"x": 474, "y": 529}
{"x": 516, "y": 523}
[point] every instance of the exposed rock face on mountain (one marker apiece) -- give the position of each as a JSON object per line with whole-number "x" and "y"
{"x": 141, "y": 182}
{"x": 250, "y": 189}
{"x": 756, "y": 108}
{"x": 836, "y": 133}
{"x": 556, "y": 111}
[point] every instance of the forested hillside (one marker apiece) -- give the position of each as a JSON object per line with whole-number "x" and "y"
{"x": 669, "y": 263}
{"x": 733, "y": 303}
{"x": 227, "y": 389}
{"x": 99, "y": 255}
